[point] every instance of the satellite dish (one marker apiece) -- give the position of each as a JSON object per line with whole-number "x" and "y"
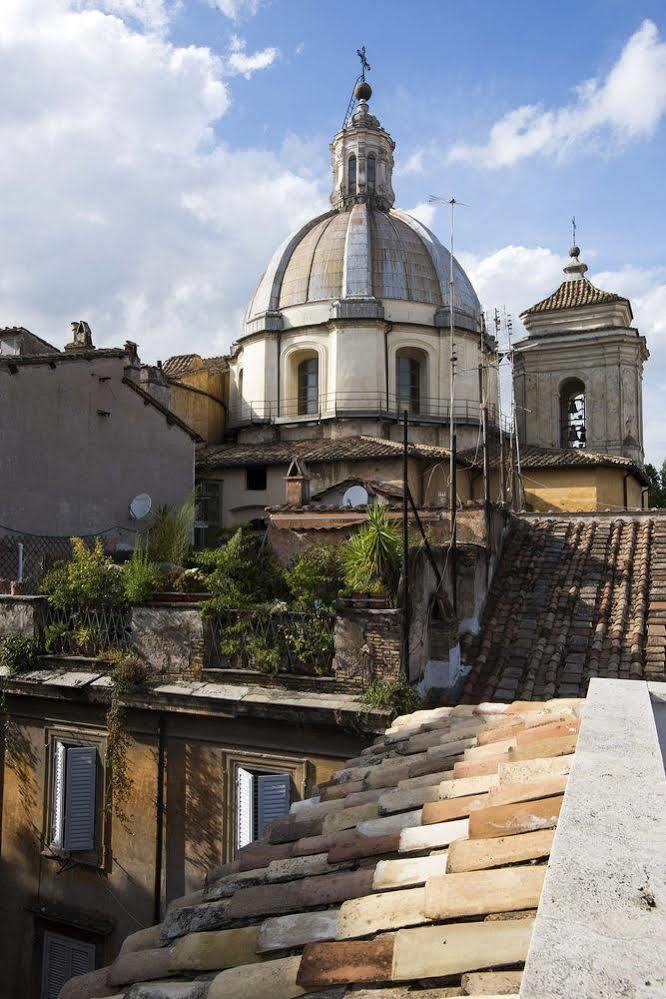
{"x": 140, "y": 506}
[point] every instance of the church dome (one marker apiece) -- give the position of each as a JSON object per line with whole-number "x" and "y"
{"x": 365, "y": 257}
{"x": 362, "y": 252}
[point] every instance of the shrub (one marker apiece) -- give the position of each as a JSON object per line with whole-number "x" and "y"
{"x": 17, "y": 653}
{"x": 242, "y": 573}
{"x": 316, "y": 577}
{"x": 170, "y": 536}
{"x": 398, "y": 698}
{"x": 372, "y": 556}
{"x": 89, "y": 578}
{"x": 191, "y": 581}
{"x": 141, "y": 576}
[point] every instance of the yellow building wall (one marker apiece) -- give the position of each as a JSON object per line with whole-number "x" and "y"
{"x": 584, "y": 489}
{"x": 199, "y": 398}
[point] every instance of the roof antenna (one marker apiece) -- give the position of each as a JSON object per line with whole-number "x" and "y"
{"x": 359, "y": 79}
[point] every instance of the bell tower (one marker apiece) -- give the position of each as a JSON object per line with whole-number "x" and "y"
{"x": 578, "y": 375}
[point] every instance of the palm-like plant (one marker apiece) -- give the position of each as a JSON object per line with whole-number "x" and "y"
{"x": 170, "y": 536}
{"x": 372, "y": 556}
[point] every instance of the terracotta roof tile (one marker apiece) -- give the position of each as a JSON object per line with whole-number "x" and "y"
{"x": 573, "y": 295}
{"x": 472, "y": 855}
{"x": 339, "y": 449}
{"x": 179, "y": 364}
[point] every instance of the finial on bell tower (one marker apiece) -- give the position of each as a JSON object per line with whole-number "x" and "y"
{"x": 575, "y": 271}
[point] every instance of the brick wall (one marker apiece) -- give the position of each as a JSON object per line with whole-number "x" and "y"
{"x": 367, "y": 646}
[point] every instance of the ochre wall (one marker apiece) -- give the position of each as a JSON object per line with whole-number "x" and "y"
{"x": 204, "y": 409}
{"x": 200, "y": 751}
{"x": 584, "y": 489}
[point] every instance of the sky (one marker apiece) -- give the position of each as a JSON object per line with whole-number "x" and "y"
{"x": 153, "y": 153}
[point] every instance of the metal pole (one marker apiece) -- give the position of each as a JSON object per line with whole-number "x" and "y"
{"x": 452, "y": 502}
{"x": 405, "y": 548}
{"x": 20, "y": 561}
{"x": 452, "y": 549}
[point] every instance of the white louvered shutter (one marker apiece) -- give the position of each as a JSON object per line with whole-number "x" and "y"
{"x": 80, "y": 804}
{"x": 273, "y": 799}
{"x": 63, "y": 958}
{"x": 244, "y": 807}
{"x": 58, "y": 793}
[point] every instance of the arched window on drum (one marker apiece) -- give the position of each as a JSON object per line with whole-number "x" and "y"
{"x": 351, "y": 175}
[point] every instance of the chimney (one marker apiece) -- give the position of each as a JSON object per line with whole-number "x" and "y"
{"x": 81, "y": 337}
{"x": 297, "y": 484}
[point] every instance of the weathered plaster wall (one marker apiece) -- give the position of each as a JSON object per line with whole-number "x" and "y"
{"x": 582, "y": 489}
{"x": 65, "y": 467}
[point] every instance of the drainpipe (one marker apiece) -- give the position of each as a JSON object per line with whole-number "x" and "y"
{"x": 159, "y": 821}
{"x": 625, "y": 491}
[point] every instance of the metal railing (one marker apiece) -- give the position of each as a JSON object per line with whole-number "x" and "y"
{"x": 362, "y": 404}
{"x": 86, "y": 631}
{"x": 259, "y": 640}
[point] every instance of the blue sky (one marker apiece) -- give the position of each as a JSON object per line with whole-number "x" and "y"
{"x": 155, "y": 152}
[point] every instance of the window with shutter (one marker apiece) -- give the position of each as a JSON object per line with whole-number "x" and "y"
{"x": 273, "y": 799}
{"x": 244, "y": 807}
{"x": 80, "y": 803}
{"x": 63, "y": 957}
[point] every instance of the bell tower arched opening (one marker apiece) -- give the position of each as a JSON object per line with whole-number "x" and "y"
{"x": 572, "y": 414}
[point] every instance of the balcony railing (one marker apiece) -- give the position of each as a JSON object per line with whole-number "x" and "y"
{"x": 86, "y": 631}
{"x": 358, "y": 404}
{"x": 270, "y": 642}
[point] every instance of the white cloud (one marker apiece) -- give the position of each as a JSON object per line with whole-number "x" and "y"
{"x": 628, "y": 104}
{"x": 239, "y": 62}
{"x": 300, "y": 48}
{"x": 424, "y": 213}
{"x": 236, "y": 9}
{"x": 413, "y": 164}
{"x": 124, "y": 207}
{"x": 152, "y": 15}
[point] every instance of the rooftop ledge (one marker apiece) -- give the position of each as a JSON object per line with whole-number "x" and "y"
{"x": 601, "y": 923}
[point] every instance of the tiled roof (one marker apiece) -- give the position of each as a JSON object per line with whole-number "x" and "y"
{"x": 532, "y": 456}
{"x": 573, "y": 598}
{"x": 573, "y": 295}
{"x": 179, "y": 364}
{"x": 216, "y": 364}
{"x": 420, "y": 863}
{"x": 340, "y": 449}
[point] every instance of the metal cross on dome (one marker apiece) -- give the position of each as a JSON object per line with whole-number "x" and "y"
{"x": 364, "y": 62}
{"x": 573, "y": 230}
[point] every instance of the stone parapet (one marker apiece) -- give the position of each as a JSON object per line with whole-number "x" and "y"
{"x": 21, "y": 615}
{"x": 170, "y": 638}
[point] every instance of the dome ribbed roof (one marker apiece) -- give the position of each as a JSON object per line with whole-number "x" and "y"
{"x": 361, "y": 253}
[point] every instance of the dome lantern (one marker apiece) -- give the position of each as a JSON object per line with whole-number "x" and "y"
{"x": 362, "y": 159}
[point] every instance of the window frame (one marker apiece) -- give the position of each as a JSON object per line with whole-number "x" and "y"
{"x": 300, "y": 770}
{"x": 414, "y": 394}
{"x": 307, "y": 394}
{"x": 371, "y": 173}
{"x": 100, "y": 853}
{"x": 352, "y": 175}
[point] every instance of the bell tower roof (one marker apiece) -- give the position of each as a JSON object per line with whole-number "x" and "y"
{"x": 575, "y": 292}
